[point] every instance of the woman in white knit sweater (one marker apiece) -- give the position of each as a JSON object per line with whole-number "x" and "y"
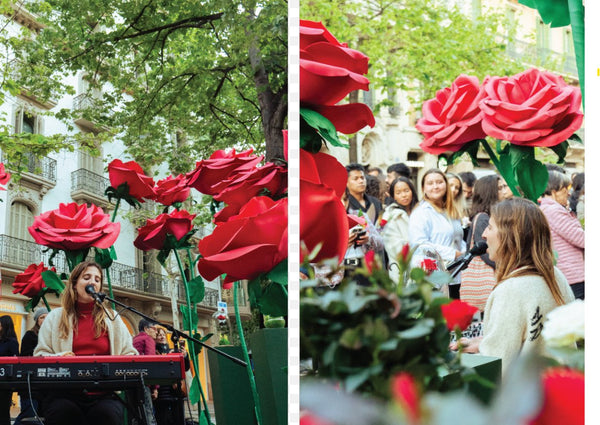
{"x": 529, "y": 286}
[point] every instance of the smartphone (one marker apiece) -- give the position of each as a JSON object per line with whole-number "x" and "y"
{"x": 359, "y": 231}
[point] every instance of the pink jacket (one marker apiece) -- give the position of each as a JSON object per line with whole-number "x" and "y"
{"x": 568, "y": 240}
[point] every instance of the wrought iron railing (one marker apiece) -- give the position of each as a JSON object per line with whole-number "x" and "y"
{"x": 44, "y": 167}
{"x": 529, "y": 52}
{"x": 84, "y": 179}
{"x": 83, "y": 101}
{"x": 19, "y": 253}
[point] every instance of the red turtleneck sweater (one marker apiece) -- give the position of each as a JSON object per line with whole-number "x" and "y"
{"x": 84, "y": 342}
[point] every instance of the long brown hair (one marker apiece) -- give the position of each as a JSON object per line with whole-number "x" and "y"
{"x": 448, "y": 205}
{"x": 68, "y": 319}
{"x": 525, "y": 244}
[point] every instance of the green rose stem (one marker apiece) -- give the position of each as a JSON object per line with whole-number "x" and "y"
{"x": 46, "y": 302}
{"x": 577, "y": 26}
{"x": 191, "y": 345}
{"x": 496, "y": 163}
{"x": 246, "y": 356}
{"x": 108, "y": 281}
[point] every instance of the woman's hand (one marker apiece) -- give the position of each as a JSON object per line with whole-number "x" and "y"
{"x": 69, "y": 353}
{"x": 469, "y": 345}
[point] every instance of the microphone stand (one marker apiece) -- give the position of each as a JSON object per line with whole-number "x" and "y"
{"x": 176, "y": 332}
{"x": 463, "y": 265}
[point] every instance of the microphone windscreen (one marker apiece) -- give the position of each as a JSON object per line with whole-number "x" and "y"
{"x": 479, "y": 248}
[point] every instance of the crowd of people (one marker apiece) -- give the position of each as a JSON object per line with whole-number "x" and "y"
{"x": 82, "y": 327}
{"x": 535, "y": 249}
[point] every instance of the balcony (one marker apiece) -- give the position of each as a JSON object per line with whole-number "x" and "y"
{"x": 532, "y": 54}
{"x": 17, "y": 254}
{"x": 84, "y": 102}
{"x": 87, "y": 186}
{"x": 24, "y": 16}
{"x": 39, "y": 172}
{"x": 20, "y": 72}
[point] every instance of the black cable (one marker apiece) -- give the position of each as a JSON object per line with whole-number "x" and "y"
{"x": 39, "y": 420}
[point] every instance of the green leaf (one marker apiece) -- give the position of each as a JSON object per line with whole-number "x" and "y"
{"x": 274, "y": 300}
{"x": 422, "y": 328}
{"x": 532, "y": 175}
{"x": 52, "y": 281}
{"x": 279, "y": 273}
{"x": 351, "y": 339}
{"x": 417, "y": 274}
{"x": 322, "y": 125}
{"x": 186, "y": 321}
{"x": 553, "y": 12}
{"x": 103, "y": 257}
{"x": 470, "y": 148}
{"x": 505, "y": 167}
{"x": 196, "y": 287}
{"x": 194, "y": 394}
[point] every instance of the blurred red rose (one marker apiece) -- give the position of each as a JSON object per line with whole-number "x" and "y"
{"x": 429, "y": 265}
{"x": 140, "y": 185}
{"x": 270, "y": 178}
{"x": 30, "y": 282}
{"x": 220, "y": 166}
{"x": 533, "y": 108}
{"x": 4, "y": 176}
{"x": 564, "y": 397}
{"x": 154, "y": 234}
{"x": 452, "y": 118}
{"x": 311, "y": 419}
{"x": 74, "y": 227}
{"x": 458, "y": 314}
{"x": 250, "y": 243}
{"x": 172, "y": 190}
{"x": 322, "y": 213}
{"x": 404, "y": 253}
{"x": 406, "y": 393}
{"x": 370, "y": 261}
{"x": 329, "y": 71}
{"x": 285, "y": 144}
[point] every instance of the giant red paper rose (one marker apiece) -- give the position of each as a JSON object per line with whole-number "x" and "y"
{"x": 249, "y": 244}
{"x": 329, "y": 71}
{"x": 30, "y": 282}
{"x": 458, "y": 314}
{"x": 220, "y": 166}
{"x": 323, "y": 220}
{"x": 564, "y": 398}
{"x": 452, "y": 118}
{"x": 154, "y": 234}
{"x": 533, "y": 108}
{"x": 4, "y": 177}
{"x": 172, "y": 190}
{"x": 269, "y": 180}
{"x": 74, "y": 227}
{"x": 140, "y": 185}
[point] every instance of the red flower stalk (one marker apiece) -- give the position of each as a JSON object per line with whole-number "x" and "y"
{"x": 404, "y": 253}
{"x": 406, "y": 393}
{"x": 458, "y": 314}
{"x": 452, "y": 118}
{"x": 221, "y": 165}
{"x": 30, "y": 282}
{"x": 533, "y": 108}
{"x": 248, "y": 244}
{"x": 154, "y": 234}
{"x": 564, "y": 398}
{"x": 140, "y": 185}
{"x": 74, "y": 227}
{"x": 370, "y": 261}
{"x": 4, "y": 176}
{"x": 172, "y": 190}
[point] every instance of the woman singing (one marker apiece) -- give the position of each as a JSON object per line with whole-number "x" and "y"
{"x": 82, "y": 327}
{"x": 529, "y": 286}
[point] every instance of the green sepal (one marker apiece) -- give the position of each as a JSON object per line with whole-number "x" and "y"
{"x": 172, "y": 243}
{"x": 532, "y": 175}
{"x": 196, "y": 287}
{"x": 505, "y": 167}
{"x": 555, "y": 13}
{"x": 76, "y": 256}
{"x": 470, "y": 148}
{"x": 105, "y": 256}
{"x": 122, "y": 192}
{"x": 279, "y": 273}
{"x": 561, "y": 151}
{"x": 269, "y": 297}
{"x": 322, "y": 126}
{"x": 52, "y": 281}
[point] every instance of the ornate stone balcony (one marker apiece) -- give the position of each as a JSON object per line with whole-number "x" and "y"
{"x": 87, "y": 186}
{"x": 39, "y": 174}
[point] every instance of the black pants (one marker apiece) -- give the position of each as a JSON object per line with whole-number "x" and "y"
{"x": 578, "y": 290}
{"x": 81, "y": 409}
{"x": 5, "y": 402}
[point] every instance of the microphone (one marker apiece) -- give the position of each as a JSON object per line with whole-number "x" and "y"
{"x": 97, "y": 296}
{"x": 479, "y": 248}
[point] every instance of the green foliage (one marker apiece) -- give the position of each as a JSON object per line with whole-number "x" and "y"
{"x": 418, "y": 46}
{"x": 178, "y": 79}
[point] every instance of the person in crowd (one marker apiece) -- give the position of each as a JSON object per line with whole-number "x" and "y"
{"x": 168, "y": 406}
{"x": 361, "y": 239}
{"x": 394, "y": 171}
{"x": 29, "y": 405}
{"x": 375, "y": 172}
{"x": 83, "y": 327}
{"x": 576, "y": 198}
{"x": 478, "y": 279}
{"x": 395, "y": 220}
{"x": 375, "y": 188}
{"x": 456, "y": 187}
{"x": 468, "y": 183}
{"x": 555, "y": 167}
{"x": 145, "y": 341}
{"x": 436, "y": 221}
{"x": 9, "y": 346}
{"x": 568, "y": 237}
{"x": 504, "y": 191}
{"x": 528, "y": 285}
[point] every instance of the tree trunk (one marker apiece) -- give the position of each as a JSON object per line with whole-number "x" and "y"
{"x": 353, "y": 154}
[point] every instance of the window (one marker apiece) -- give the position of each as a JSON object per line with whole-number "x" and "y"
{"x": 91, "y": 163}
{"x": 28, "y": 122}
{"x": 21, "y": 217}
